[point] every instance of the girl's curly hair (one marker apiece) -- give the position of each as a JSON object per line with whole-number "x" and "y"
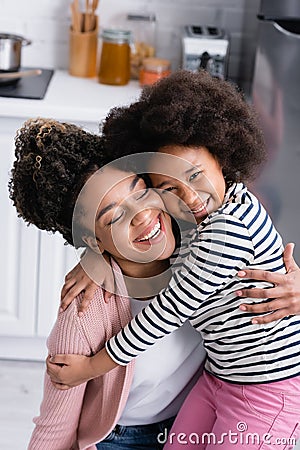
{"x": 53, "y": 161}
{"x": 190, "y": 109}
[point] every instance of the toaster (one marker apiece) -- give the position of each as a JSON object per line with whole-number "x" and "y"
{"x": 205, "y": 47}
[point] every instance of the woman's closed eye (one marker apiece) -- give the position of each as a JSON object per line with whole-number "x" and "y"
{"x": 142, "y": 194}
{"x": 119, "y": 214}
{"x": 116, "y": 218}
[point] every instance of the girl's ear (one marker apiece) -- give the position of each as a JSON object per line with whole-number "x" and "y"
{"x": 94, "y": 243}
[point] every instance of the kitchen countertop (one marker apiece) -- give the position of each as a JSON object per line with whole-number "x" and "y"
{"x": 72, "y": 99}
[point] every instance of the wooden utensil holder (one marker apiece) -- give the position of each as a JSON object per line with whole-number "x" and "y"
{"x": 83, "y": 52}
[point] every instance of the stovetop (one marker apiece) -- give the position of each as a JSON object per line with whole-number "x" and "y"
{"x": 34, "y": 87}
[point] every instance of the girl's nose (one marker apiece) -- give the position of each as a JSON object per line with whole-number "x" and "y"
{"x": 188, "y": 195}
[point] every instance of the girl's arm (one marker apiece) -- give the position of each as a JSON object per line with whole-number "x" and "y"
{"x": 215, "y": 256}
{"x": 286, "y": 291}
{"x": 210, "y": 264}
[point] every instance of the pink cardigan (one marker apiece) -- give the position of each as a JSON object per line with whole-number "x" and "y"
{"x": 82, "y": 416}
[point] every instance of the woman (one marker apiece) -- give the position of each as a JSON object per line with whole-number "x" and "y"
{"x": 56, "y": 177}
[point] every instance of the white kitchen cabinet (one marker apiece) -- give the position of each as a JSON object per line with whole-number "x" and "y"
{"x": 19, "y": 250}
{"x": 34, "y": 262}
{"x": 32, "y": 269}
{"x": 55, "y": 261}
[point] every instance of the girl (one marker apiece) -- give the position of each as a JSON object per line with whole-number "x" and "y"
{"x": 209, "y": 142}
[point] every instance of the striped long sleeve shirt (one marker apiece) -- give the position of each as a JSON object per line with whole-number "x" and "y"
{"x": 239, "y": 235}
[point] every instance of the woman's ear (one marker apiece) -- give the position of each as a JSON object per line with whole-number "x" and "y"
{"x": 94, "y": 243}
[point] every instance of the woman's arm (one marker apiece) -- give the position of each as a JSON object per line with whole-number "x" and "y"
{"x": 286, "y": 291}
{"x": 56, "y": 426}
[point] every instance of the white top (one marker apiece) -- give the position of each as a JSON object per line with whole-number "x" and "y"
{"x": 163, "y": 376}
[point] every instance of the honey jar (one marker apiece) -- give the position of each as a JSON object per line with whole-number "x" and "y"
{"x": 153, "y": 70}
{"x": 114, "y": 65}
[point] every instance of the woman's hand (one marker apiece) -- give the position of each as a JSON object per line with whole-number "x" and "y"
{"x": 93, "y": 271}
{"x": 286, "y": 291}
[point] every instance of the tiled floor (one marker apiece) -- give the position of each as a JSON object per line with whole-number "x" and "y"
{"x": 21, "y": 386}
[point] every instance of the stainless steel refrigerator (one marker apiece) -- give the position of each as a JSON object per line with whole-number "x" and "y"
{"x": 276, "y": 97}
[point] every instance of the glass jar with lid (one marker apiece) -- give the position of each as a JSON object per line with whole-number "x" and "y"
{"x": 114, "y": 67}
{"x": 153, "y": 70}
{"x": 143, "y": 29}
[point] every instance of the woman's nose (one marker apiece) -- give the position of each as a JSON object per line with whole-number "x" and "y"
{"x": 142, "y": 217}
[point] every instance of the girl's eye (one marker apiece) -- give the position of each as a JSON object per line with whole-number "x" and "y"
{"x": 194, "y": 175}
{"x": 115, "y": 219}
{"x": 144, "y": 193}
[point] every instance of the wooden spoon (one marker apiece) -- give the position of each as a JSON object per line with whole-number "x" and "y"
{"x": 21, "y": 74}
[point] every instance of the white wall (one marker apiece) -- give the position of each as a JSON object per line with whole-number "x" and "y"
{"x": 46, "y": 23}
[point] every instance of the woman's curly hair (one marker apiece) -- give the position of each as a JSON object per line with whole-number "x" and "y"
{"x": 190, "y": 109}
{"x": 53, "y": 161}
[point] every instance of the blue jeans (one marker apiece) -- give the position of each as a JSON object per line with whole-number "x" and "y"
{"x": 138, "y": 437}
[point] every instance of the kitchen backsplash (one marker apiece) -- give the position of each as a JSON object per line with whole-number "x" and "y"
{"x": 47, "y": 22}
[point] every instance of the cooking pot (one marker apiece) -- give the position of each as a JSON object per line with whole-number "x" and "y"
{"x": 10, "y": 51}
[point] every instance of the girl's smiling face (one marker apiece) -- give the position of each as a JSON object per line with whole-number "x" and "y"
{"x": 190, "y": 180}
{"x": 125, "y": 218}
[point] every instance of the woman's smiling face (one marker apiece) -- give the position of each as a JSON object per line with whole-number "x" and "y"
{"x": 127, "y": 219}
{"x": 190, "y": 180}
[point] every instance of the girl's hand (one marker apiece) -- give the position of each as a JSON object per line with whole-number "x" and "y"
{"x": 286, "y": 291}
{"x": 68, "y": 371}
{"x": 93, "y": 271}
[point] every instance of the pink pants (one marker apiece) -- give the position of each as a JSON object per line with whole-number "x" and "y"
{"x": 217, "y": 414}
